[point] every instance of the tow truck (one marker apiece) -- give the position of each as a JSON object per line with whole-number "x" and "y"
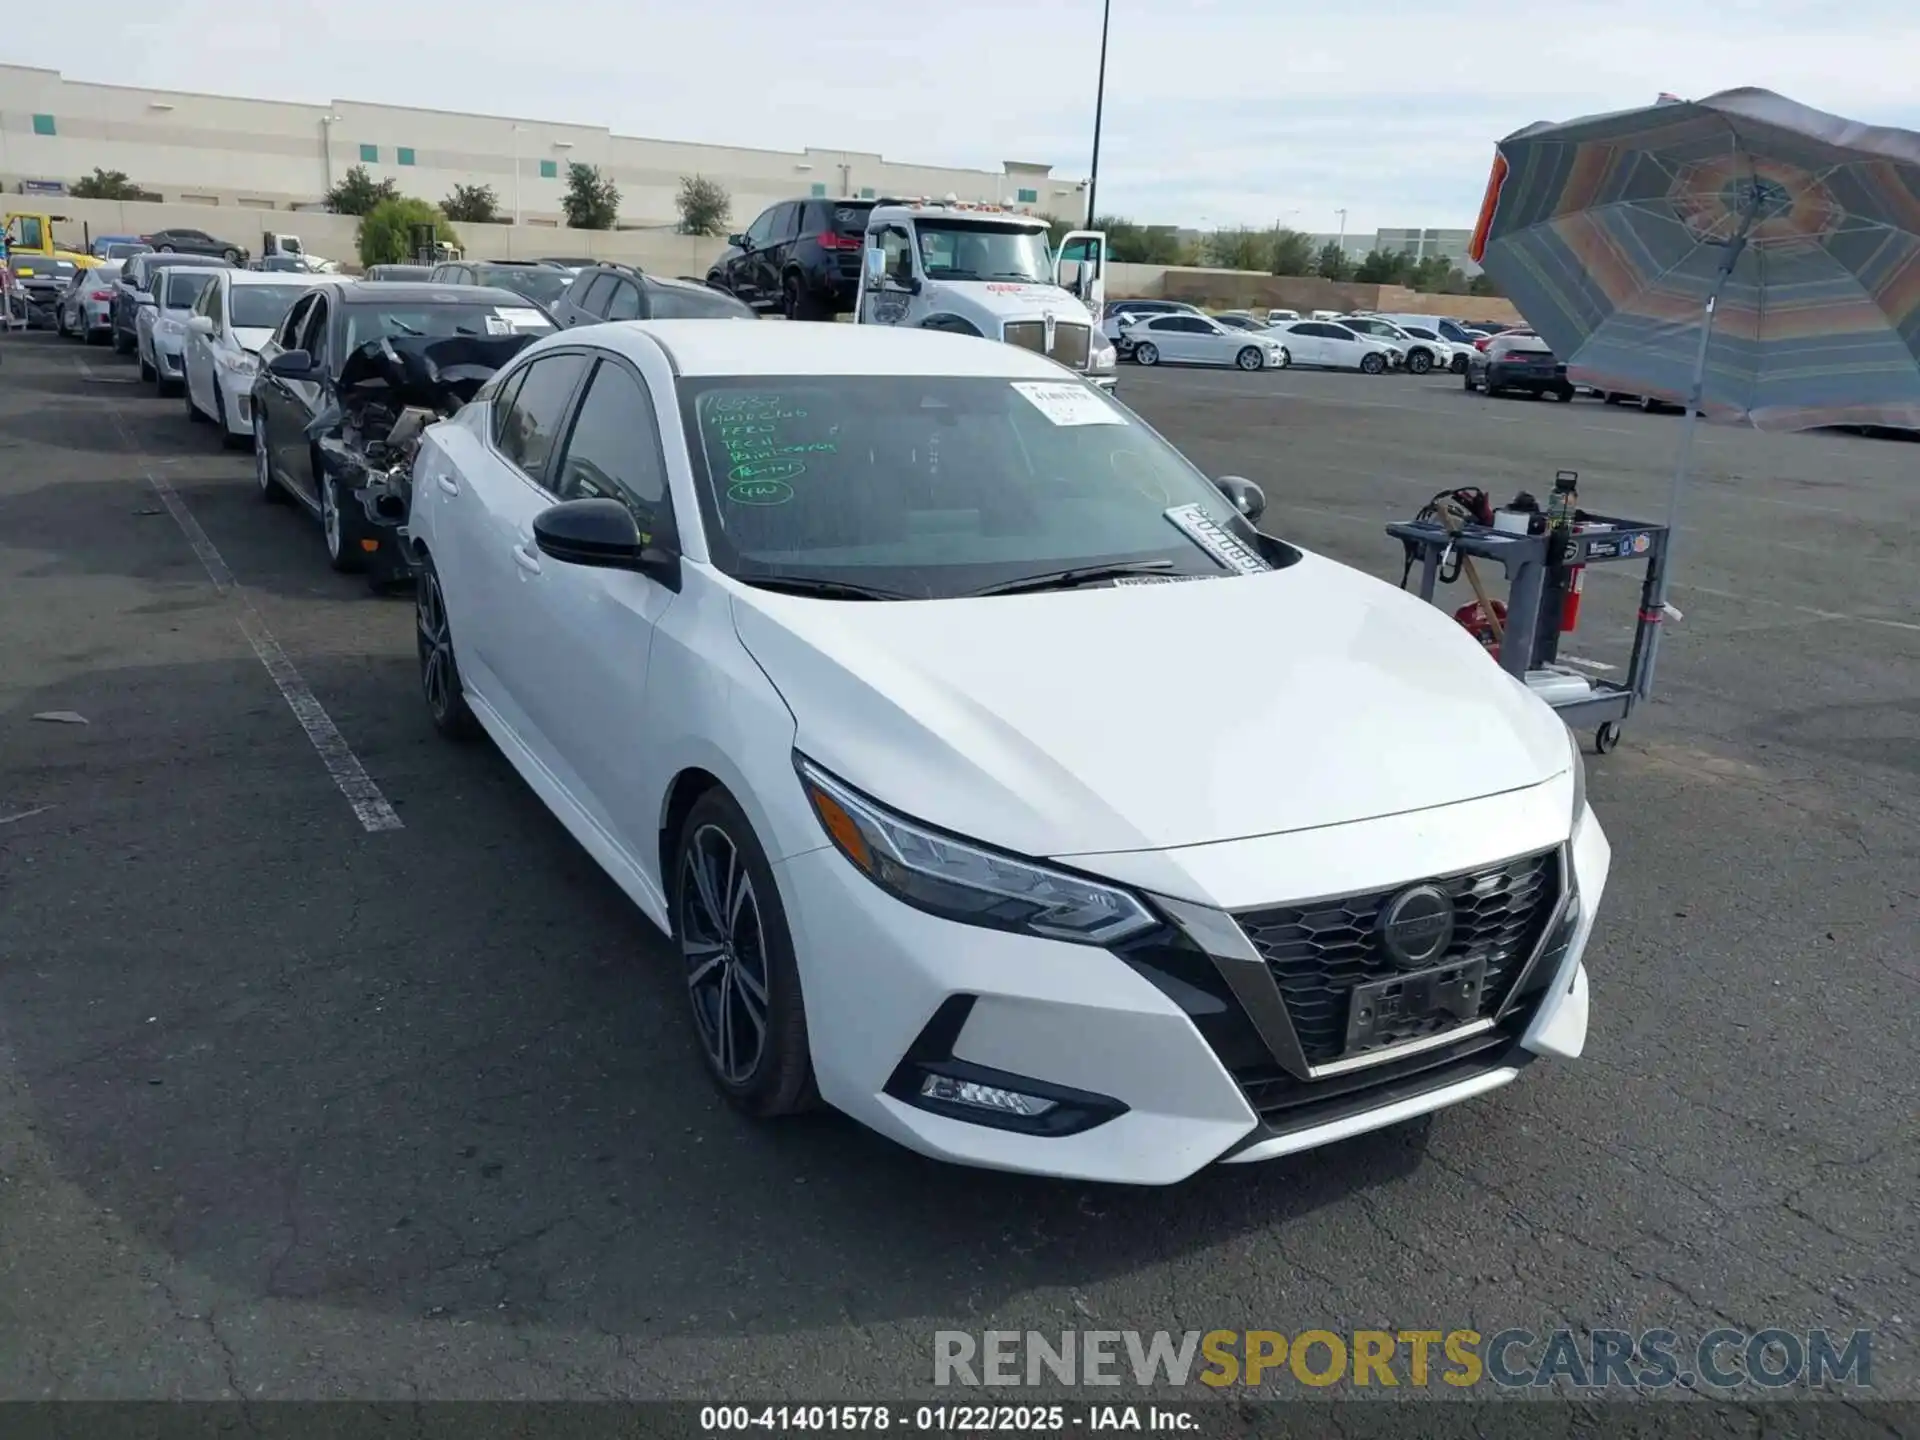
{"x": 974, "y": 269}
{"x": 29, "y": 233}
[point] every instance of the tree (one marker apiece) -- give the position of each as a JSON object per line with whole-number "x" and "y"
{"x": 1131, "y": 244}
{"x": 592, "y": 201}
{"x": 107, "y": 185}
{"x": 1333, "y": 263}
{"x": 1381, "y": 267}
{"x": 1239, "y": 249}
{"x": 1482, "y": 284}
{"x": 386, "y": 231}
{"x": 357, "y": 193}
{"x": 704, "y": 205}
{"x": 474, "y": 204}
{"x": 1292, "y": 252}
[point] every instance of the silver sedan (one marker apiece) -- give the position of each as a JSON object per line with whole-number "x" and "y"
{"x": 1202, "y": 340}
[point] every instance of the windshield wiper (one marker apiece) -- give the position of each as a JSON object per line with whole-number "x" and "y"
{"x": 1067, "y": 579}
{"x": 825, "y": 589}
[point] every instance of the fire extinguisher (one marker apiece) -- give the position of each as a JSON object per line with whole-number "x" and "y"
{"x": 1565, "y": 514}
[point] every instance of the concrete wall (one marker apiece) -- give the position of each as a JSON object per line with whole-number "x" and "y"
{"x": 1248, "y": 290}
{"x": 271, "y": 153}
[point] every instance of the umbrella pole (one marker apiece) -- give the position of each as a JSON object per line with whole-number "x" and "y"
{"x": 1683, "y": 462}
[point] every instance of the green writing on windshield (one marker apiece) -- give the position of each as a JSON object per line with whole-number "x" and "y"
{"x": 756, "y": 436}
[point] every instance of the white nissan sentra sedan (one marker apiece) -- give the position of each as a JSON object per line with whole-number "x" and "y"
{"x": 996, "y": 780}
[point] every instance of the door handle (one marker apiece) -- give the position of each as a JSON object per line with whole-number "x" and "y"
{"x": 449, "y": 484}
{"x": 526, "y": 560}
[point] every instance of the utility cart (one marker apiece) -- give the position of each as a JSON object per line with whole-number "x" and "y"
{"x": 1543, "y": 572}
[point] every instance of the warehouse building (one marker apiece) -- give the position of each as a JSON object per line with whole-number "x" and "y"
{"x": 279, "y": 155}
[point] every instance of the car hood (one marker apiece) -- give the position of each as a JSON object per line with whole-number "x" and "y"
{"x": 1004, "y": 300}
{"x": 252, "y": 338}
{"x": 427, "y": 371}
{"x": 1143, "y": 717}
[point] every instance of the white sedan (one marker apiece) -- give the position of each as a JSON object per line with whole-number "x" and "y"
{"x": 231, "y": 320}
{"x": 868, "y": 662}
{"x": 1202, "y": 340}
{"x": 1333, "y": 346}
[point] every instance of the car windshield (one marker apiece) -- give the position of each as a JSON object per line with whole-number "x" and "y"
{"x": 965, "y": 250}
{"x": 441, "y": 321}
{"x": 40, "y": 265}
{"x": 537, "y": 282}
{"x": 123, "y": 252}
{"x": 260, "y": 307}
{"x": 180, "y": 288}
{"x": 933, "y": 487}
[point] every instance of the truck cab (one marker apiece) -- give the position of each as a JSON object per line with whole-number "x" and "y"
{"x": 30, "y": 234}
{"x": 985, "y": 270}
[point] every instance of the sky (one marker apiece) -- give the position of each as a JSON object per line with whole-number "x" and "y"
{"x": 1218, "y": 112}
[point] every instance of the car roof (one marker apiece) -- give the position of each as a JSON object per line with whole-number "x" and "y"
{"x": 284, "y": 278}
{"x": 415, "y": 292}
{"x": 705, "y": 348}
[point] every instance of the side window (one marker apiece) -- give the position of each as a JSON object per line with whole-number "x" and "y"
{"x": 531, "y": 424}
{"x": 899, "y": 252}
{"x": 761, "y": 231}
{"x": 213, "y": 304}
{"x": 784, "y": 218}
{"x": 614, "y": 450}
{"x": 504, "y": 393}
{"x": 313, "y": 334}
{"x": 626, "y": 301}
{"x": 598, "y": 292}
{"x": 293, "y": 322}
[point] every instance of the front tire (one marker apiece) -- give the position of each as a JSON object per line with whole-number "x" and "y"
{"x": 1250, "y": 358}
{"x": 743, "y": 983}
{"x": 1372, "y": 364}
{"x": 147, "y": 372}
{"x": 232, "y": 257}
{"x": 1286, "y": 358}
{"x": 1419, "y": 362}
{"x": 337, "y": 527}
{"x": 440, "y": 683}
{"x": 269, "y": 488}
{"x": 1459, "y": 365}
{"x": 1146, "y": 353}
{"x": 122, "y": 344}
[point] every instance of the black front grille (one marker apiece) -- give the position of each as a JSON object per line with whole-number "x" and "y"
{"x": 1070, "y": 342}
{"x": 1318, "y": 953}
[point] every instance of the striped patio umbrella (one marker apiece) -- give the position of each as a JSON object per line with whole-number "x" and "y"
{"x": 1743, "y": 255}
{"x": 1786, "y": 237}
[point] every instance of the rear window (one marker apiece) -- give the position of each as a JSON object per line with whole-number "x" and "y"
{"x": 848, "y": 219}
{"x": 1527, "y": 344}
{"x": 536, "y": 282}
{"x": 367, "y": 322}
{"x": 180, "y": 288}
{"x": 674, "y": 303}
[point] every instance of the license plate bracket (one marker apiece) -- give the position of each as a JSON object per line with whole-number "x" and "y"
{"x": 1404, "y": 1007}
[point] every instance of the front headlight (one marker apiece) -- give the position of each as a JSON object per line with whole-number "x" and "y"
{"x": 1103, "y": 356}
{"x": 968, "y": 883}
{"x": 240, "y": 362}
{"x": 1579, "y": 777}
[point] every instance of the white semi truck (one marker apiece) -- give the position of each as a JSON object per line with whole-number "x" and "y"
{"x": 986, "y": 270}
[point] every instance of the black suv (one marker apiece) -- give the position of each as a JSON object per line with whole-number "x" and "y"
{"x": 801, "y": 257}
{"x": 619, "y": 292}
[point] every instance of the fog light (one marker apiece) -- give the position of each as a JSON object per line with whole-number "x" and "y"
{"x": 984, "y": 1097}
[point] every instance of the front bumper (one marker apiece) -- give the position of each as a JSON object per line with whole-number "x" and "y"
{"x": 1152, "y": 1051}
{"x": 168, "y": 357}
{"x": 236, "y": 398}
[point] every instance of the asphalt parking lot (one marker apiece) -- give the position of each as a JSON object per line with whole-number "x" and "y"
{"x": 295, "y": 1107}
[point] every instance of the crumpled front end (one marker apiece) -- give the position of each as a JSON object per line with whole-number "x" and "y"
{"x": 389, "y": 392}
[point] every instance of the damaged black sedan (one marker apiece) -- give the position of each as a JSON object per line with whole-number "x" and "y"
{"x": 351, "y": 378}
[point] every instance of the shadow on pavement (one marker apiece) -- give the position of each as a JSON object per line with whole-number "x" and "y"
{"x": 446, "y": 1069}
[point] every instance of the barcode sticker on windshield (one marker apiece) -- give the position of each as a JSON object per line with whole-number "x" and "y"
{"x": 1069, "y": 403}
{"x": 517, "y": 317}
{"x": 496, "y": 325}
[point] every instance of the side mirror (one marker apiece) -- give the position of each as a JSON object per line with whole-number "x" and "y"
{"x": 201, "y": 325}
{"x": 603, "y": 535}
{"x": 738, "y": 242}
{"x": 292, "y": 365}
{"x": 876, "y": 264}
{"x": 1245, "y": 496}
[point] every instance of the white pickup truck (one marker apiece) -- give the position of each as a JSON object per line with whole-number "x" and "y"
{"x": 986, "y": 270}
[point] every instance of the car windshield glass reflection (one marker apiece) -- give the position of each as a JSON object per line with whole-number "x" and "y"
{"x": 936, "y": 487}
{"x": 260, "y": 307}
{"x": 377, "y": 322}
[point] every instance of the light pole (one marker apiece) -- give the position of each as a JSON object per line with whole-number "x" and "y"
{"x": 518, "y": 131}
{"x": 1343, "y": 230}
{"x": 326, "y": 145}
{"x": 1099, "y": 107}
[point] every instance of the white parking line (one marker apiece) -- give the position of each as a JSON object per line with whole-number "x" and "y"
{"x": 370, "y": 807}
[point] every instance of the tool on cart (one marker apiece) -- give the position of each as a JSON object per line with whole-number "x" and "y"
{"x": 1544, "y": 555}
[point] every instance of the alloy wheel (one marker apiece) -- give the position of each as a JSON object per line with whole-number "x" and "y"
{"x": 1146, "y": 353}
{"x": 435, "y": 645}
{"x": 330, "y": 516}
{"x": 723, "y": 943}
{"x": 1249, "y": 359}
{"x": 1419, "y": 362}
